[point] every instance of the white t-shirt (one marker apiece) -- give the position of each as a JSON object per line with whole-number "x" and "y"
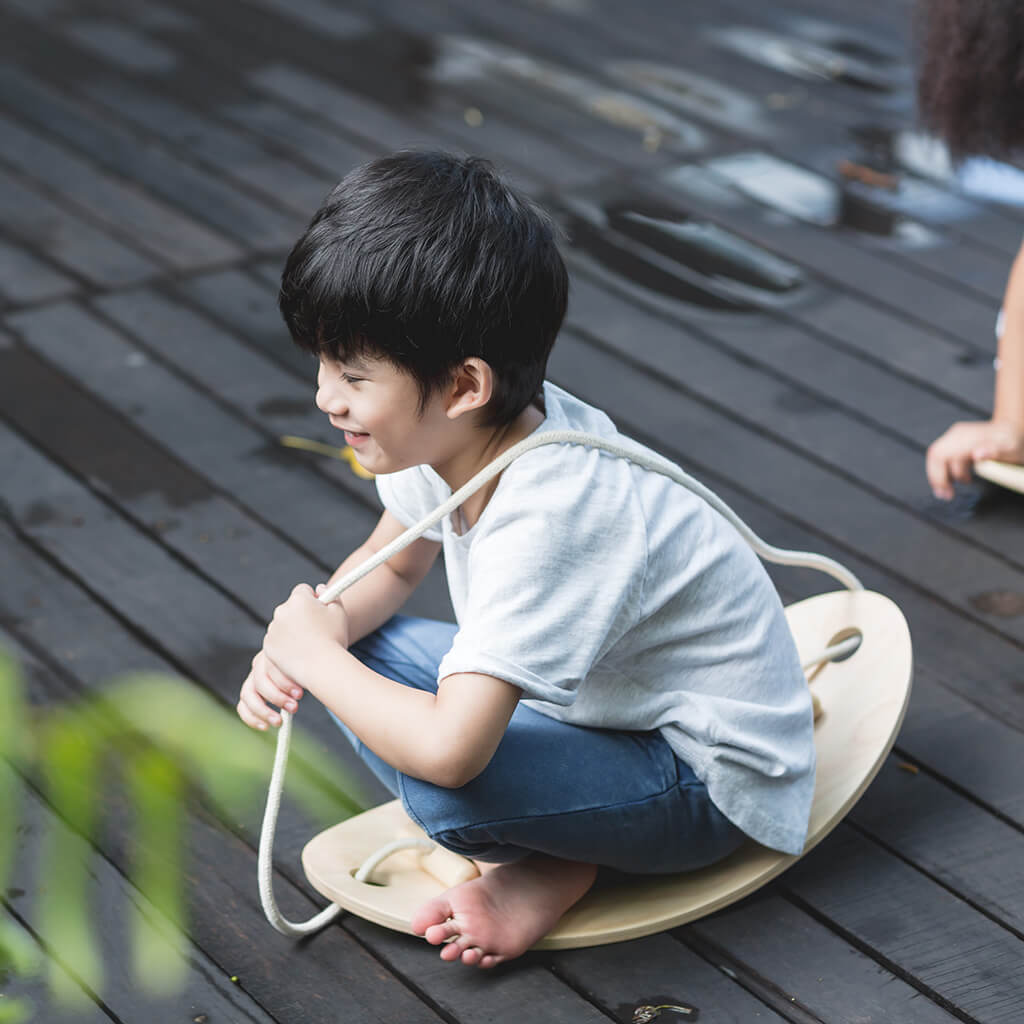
{"x": 616, "y": 598}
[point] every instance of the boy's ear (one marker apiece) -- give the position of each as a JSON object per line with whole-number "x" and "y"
{"x": 471, "y": 388}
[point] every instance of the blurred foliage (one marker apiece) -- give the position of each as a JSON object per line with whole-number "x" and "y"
{"x": 159, "y": 740}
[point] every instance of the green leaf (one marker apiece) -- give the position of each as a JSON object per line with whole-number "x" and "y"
{"x": 13, "y": 744}
{"x": 157, "y": 786}
{"x": 69, "y": 752}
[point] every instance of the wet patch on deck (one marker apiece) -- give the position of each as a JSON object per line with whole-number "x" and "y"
{"x": 463, "y": 60}
{"x": 668, "y": 251}
{"x": 779, "y": 187}
{"x": 818, "y": 51}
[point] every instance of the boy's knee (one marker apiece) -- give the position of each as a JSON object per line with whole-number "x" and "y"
{"x": 446, "y": 819}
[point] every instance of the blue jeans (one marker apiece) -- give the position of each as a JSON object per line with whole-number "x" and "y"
{"x": 619, "y": 799}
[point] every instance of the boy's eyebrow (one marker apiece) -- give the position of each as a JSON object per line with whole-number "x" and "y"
{"x": 356, "y": 363}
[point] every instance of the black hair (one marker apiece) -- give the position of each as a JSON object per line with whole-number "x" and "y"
{"x": 971, "y": 74}
{"x": 425, "y": 259}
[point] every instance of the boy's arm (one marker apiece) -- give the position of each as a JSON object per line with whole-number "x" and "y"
{"x": 376, "y": 597}
{"x": 446, "y": 738}
{"x": 952, "y": 455}
{"x": 362, "y": 608}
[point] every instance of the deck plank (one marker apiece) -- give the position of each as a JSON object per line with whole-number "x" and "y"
{"x": 962, "y": 957}
{"x": 26, "y": 279}
{"x": 950, "y": 838}
{"x": 162, "y": 158}
{"x": 164, "y": 234}
{"x": 207, "y": 198}
{"x": 774, "y": 939}
{"x": 34, "y": 989}
{"x": 658, "y": 971}
{"x": 69, "y": 241}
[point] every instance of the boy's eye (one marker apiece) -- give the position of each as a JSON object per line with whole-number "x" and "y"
{"x": 349, "y": 379}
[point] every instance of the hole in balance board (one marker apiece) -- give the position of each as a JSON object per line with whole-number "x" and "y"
{"x": 850, "y": 633}
{"x": 814, "y": 670}
{"x": 368, "y": 881}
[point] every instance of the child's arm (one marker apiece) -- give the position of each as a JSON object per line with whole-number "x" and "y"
{"x": 375, "y": 598}
{"x": 367, "y": 605}
{"x": 1002, "y": 437}
{"x": 447, "y": 738}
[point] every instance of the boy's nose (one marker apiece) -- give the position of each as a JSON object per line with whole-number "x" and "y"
{"x": 329, "y": 401}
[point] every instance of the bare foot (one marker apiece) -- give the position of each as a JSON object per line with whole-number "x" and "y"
{"x": 506, "y": 910}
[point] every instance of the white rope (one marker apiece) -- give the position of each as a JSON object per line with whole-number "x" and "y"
{"x": 265, "y": 865}
{"x": 632, "y": 452}
{"x": 423, "y": 845}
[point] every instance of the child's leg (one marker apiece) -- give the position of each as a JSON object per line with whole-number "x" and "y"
{"x": 619, "y": 799}
{"x": 554, "y": 801}
{"x": 570, "y": 798}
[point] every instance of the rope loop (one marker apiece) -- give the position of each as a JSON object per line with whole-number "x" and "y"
{"x": 375, "y": 858}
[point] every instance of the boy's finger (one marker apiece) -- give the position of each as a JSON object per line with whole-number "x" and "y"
{"x": 269, "y": 692}
{"x": 248, "y": 717}
{"x": 938, "y": 480}
{"x": 259, "y": 709}
{"x": 283, "y": 683}
{"x": 960, "y": 469}
{"x": 268, "y": 689}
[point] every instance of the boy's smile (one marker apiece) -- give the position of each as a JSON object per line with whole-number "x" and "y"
{"x": 353, "y": 438}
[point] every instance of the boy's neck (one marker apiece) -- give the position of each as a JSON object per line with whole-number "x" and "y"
{"x": 481, "y": 450}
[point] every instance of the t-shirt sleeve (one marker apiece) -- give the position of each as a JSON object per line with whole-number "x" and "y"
{"x": 409, "y": 495}
{"x": 551, "y": 587}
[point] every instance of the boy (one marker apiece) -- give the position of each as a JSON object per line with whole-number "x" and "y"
{"x": 622, "y": 688}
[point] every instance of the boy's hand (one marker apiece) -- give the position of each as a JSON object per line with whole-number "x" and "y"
{"x": 952, "y": 456}
{"x": 302, "y": 629}
{"x": 266, "y": 683}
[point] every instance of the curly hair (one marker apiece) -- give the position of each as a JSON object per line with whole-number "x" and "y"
{"x": 970, "y": 82}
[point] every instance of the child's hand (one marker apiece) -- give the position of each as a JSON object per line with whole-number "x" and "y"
{"x": 266, "y": 683}
{"x": 302, "y": 629}
{"x": 951, "y": 457}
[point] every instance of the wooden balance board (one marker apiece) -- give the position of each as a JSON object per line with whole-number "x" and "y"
{"x": 1006, "y": 474}
{"x": 862, "y": 699}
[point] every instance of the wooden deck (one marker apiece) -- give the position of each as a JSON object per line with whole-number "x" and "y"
{"x": 797, "y": 350}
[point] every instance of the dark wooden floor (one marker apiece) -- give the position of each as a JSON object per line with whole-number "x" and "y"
{"x": 796, "y": 346}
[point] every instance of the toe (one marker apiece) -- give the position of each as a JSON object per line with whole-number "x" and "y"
{"x": 433, "y": 912}
{"x": 453, "y": 950}
{"x": 490, "y": 960}
{"x": 472, "y": 956}
{"x": 443, "y": 932}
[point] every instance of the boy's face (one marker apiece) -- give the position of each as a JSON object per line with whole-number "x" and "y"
{"x": 377, "y": 407}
